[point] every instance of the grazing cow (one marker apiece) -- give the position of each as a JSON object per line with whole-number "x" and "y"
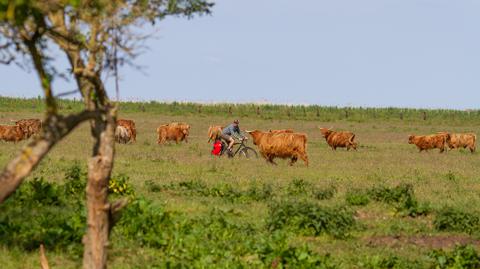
{"x": 11, "y": 133}
{"x": 173, "y": 131}
{"x": 214, "y": 132}
{"x": 281, "y": 131}
{"x": 426, "y": 142}
{"x": 339, "y": 139}
{"x": 122, "y": 135}
{"x": 30, "y": 126}
{"x": 130, "y": 125}
{"x": 281, "y": 145}
{"x": 465, "y": 140}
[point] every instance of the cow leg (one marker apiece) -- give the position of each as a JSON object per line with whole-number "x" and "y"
{"x": 293, "y": 160}
{"x": 270, "y": 160}
{"x": 304, "y": 157}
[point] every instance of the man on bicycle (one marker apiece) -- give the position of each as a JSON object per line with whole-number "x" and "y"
{"x": 229, "y": 131}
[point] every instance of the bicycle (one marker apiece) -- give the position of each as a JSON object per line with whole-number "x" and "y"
{"x": 242, "y": 150}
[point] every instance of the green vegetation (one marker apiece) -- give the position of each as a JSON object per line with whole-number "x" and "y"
{"x": 189, "y": 209}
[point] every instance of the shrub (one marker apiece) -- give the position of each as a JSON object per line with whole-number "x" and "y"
{"x": 324, "y": 194}
{"x": 461, "y": 257}
{"x": 310, "y": 218}
{"x": 298, "y": 186}
{"x": 120, "y": 185}
{"x": 144, "y": 223}
{"x": 40, "y": 212}
{"x": 357, "y": 198}
{"x": 391, "y": 262}
{"x": 450, "y": 219}
{"x": 402, "y": 197}
{"x": 75, "y": 180}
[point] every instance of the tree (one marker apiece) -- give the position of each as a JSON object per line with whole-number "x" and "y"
{"x": 96, "y": 36}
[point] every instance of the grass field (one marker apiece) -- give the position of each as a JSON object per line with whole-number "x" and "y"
{"x": 240, "y": 203}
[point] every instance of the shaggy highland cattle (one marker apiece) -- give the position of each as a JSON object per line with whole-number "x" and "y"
{"x": 173, "y": 131}
{"x": 281, "y": 145}
{"x": 339, "y": 139}
{"x": 11, "y": 133}
{"x": 122, "y": 135}
{"x": 427, "y": 142}
{"x": 459, "y": 140}
{"x": 29, "y": 126}
{"x": 130, "y": 125}
{"x": 281, "y": 131}
{"x": 214, "y": 132}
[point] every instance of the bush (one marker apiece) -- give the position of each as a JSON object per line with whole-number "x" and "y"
{"x": 298, "y": 187}
{"x": 450, "y": 219}
{"x": 120, "y": 185}
{"x": 40, "y": 212}
{"x": 461, "y": 257}
{"x": 310, "y": 218}
{"x": 357, "y": 198}
{"x": 214, "y": 241}
{"x": 402, "y": 197}
{"x": 324, "y": 194}
{"x": 75, "y": 180}
{"x": 391, "y": 262}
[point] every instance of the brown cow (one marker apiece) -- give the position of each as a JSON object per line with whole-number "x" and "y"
{"x": 426, "y": 142}
{"x": 173, "y": 131}
{"x": 339, "y": 139}
{"x": 122, "y": 135}
{"x": 281, "y": 145}
{"x": 30, "y": 126}
{"x": 281, "y": 131}
{"x": 459, "y": 140}
{"x": 11, "y": 133}
{"x": 130, "y": 125}
{"x": 214, "y": 132}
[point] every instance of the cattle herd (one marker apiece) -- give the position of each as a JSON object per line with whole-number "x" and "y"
{"x": 285, "y": 144}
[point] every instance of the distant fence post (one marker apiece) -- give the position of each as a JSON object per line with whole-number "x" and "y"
{"x": 142, "y": 107}
{"x": 230, "y": 110}
{"x": 288, "y": 112}
{"x": 318, "y": 112}
{"x": 401, "y": 115}
{"x": 199, "y": 109}
{"x": 346, "y": 114}
{"x": 424, "y": 115}
{"x": 258, "y": 110}
{"x": 304, "y": 111}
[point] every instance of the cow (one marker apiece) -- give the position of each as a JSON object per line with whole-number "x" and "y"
{"x": 281, "y": 145}
{"x": 462, "y": 140}
{"x": 29, "y": 126}
{"x": 174, "y": 131}
{"x": 281, "y": 131}
{"x": 11, "y": 133}
{"x": 122, "y": 135}
{"x": 339, "y": 139}
{"x": 130, "y": 125}
{"x": 214, "y": 132}
{"x": 427, "y": 142}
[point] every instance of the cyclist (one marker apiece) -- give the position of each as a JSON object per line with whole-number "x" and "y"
{"x": 229, "y": 131}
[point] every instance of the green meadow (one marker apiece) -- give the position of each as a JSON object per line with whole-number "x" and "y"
{"x": 383, "y": 206}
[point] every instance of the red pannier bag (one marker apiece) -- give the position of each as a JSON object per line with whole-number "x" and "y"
{"x": 217, "y": 148}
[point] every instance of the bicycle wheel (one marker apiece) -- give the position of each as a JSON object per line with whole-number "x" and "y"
{"x": 248, "y": 153}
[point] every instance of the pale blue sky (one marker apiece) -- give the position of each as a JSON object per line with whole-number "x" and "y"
{"x": 407, "y": 53}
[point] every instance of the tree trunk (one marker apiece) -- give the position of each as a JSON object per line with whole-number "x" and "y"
{"x": 99, "y": 210}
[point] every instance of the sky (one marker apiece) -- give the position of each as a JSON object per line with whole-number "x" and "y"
{"x": 370, "y": 53}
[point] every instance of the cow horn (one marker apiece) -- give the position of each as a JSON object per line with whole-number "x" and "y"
{"x": 247, "y": 131}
